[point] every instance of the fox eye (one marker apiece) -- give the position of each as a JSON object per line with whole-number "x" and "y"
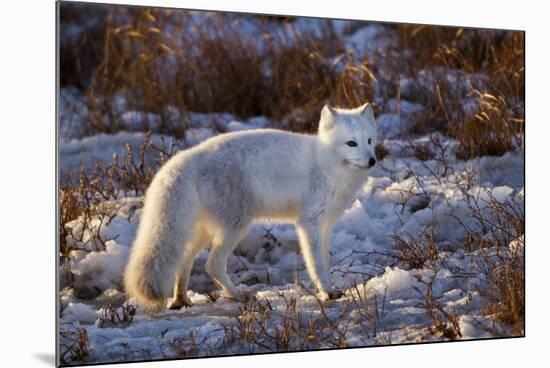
{"x": 351, "y": 143}
{"x": 370, "y": 140}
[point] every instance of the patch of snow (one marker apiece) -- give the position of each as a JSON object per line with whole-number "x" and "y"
{"x": 472, "y": 327}
{"x": 393, "y": 281}
{"x": 79, "y": 312}
{"x": 367, "y": 39}
{"x": 137, "y": 120}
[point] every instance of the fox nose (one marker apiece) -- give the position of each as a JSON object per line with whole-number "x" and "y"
{"x": 372, "y": 161}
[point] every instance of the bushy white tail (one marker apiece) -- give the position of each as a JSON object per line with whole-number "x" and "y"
{"x": 166, "y": 223}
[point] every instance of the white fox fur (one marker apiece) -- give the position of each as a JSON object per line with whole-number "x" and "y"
{"x": 211, "y": 193}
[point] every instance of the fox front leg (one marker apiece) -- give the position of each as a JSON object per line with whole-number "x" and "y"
{"x": 325, "y": 246}
{"x": 311, "y": 238}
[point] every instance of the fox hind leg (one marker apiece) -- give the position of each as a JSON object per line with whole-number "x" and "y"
{"x": 184, "y": 271}
{"x": 223, "y": 245}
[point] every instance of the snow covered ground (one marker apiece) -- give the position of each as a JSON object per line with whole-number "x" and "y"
{"x": 386, "y": 301}
{"x": 268, "y": 262}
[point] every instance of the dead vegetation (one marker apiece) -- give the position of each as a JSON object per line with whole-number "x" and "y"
{"x": 369, "y": 309}
{"x": 166, "y": 63}
{"x": 212, "y": 67}
{"x": 90, "y": 197}
{"x": 74, "y": 344}
{"x": 416, "y": 251}
{"x": 443, "y": 324}
{"x": 113, "y": 315}
{"x": 480, "y": 102}
{"x": 493, "y": 239}
{"x": 261, "y": 328}
{"x": 499, "y": 247}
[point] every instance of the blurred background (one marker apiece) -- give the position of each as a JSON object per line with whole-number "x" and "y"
{"x": 173, "y": 71}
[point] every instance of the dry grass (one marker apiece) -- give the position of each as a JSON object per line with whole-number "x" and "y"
{"x": 502, "y": 267}
{"x": 259, "y": 328}
{"x": 416, "y": 251}
{"x": 91, "y": 195}
{"x": 505, "y": 293}
{"x": 369, "y": 309}
{"x": 443, "y": 324}
{"x": 490, "y": 225}
{"x": 500, "y": 281}
{"x": 157, "y": 58}
{"x": 116, "y": 316}
{"x": 190, "y": 347}
{"x": 494, "y": 130}
{"x": 215, "y": 68}
{"x": 74, "y": 345}
{"x": 490, "y": 71}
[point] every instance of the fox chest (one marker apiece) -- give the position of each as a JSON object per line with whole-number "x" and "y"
{"x": 341, "y": 198}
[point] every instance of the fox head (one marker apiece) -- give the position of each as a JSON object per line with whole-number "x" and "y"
{"x": 351, "y": 135}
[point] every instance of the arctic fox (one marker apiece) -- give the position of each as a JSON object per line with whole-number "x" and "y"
{"x": 211, "y": 193}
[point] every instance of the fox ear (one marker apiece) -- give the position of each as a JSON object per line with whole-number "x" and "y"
{"x": 327, "y": 117}
{"x": 366, "y": 109}
{"x": 328, "y": 112}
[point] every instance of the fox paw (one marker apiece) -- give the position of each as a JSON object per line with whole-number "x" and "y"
{"x": 335, "y": 294}
{"x": 177, "y": 304}
{"x": 330, "y": 295}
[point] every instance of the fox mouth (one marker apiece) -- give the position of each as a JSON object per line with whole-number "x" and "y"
{"x": 361, "y": 167}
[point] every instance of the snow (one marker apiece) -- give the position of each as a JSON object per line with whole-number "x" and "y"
{"x": 105, "y": 267}
{"x": 253, "y": 123}
{"x": 394, "y": 281}
{"x": 397, "y": 118}
{"x": 469, "y": 327}
{"x": 79, "y": 312}
{"x": 100, "y": 147}
{"x": 271, "y": 264}
{"x": 367, "y": 39}
{"x": 72, "y": 114}
{"x": 137, "y": 119}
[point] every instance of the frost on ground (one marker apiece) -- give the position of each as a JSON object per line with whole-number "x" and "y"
{"x": 432, "y": 249}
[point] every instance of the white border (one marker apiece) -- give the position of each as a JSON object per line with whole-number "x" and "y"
{"x": 27, "y": 204}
